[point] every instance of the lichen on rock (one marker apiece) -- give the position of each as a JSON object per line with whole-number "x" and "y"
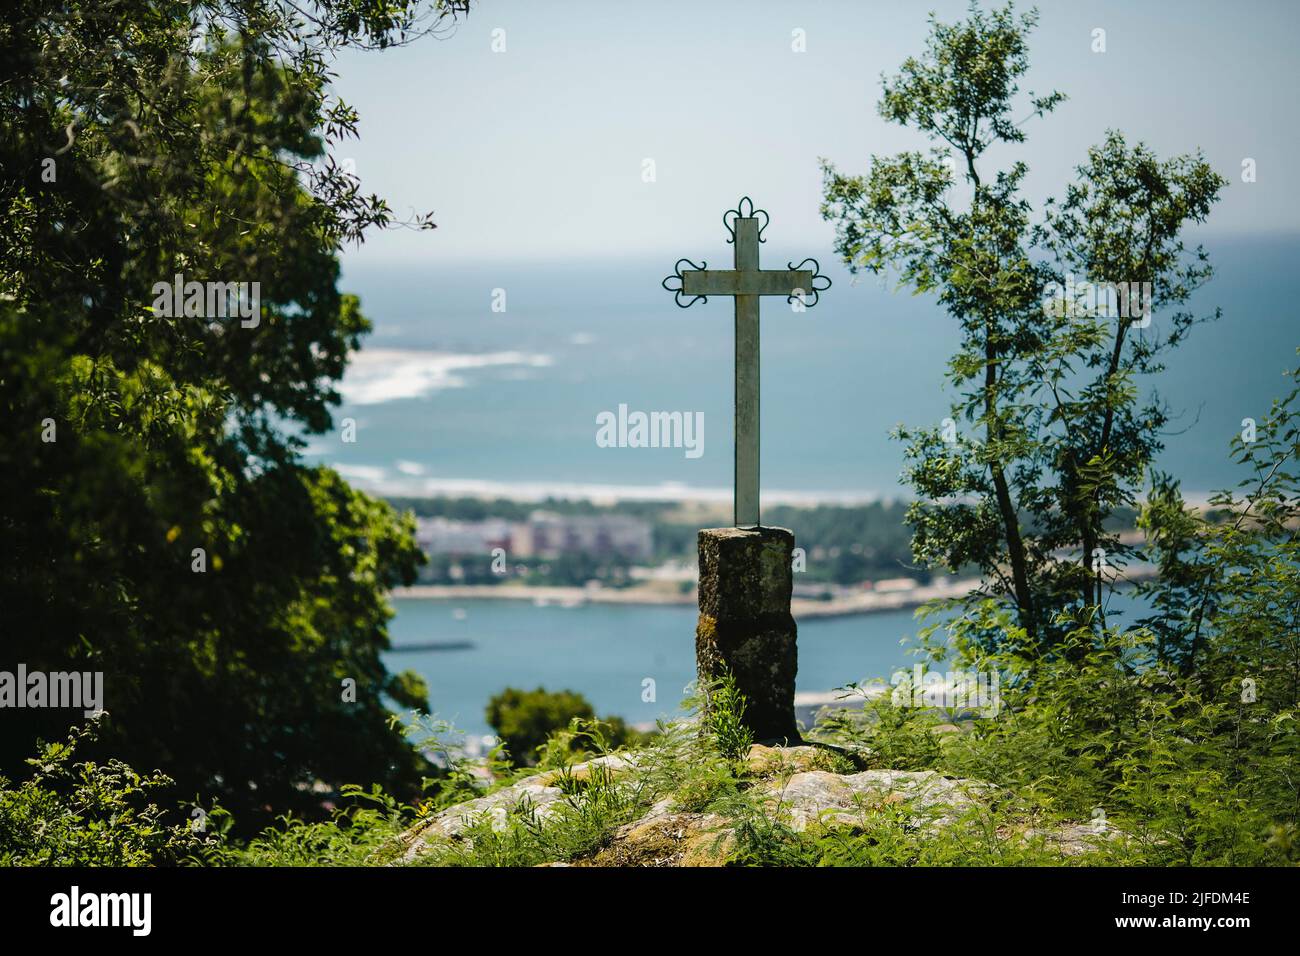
{"x": 811, "y": 789}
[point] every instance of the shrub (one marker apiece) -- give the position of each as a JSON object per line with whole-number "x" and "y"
{"x": 87, "y": 814}
{"x": 526, "y": 720}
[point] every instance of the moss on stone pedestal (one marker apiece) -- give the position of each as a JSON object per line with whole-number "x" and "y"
{"x": 745, "y": 626}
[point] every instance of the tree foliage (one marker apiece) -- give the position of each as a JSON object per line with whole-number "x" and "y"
{"x": 1181, "y": 727}
{"x": 80, "y": 813}
{"x": 1050, "y": 434}
{"x": 552, "y": 727}
{"x": 157, "y": 523}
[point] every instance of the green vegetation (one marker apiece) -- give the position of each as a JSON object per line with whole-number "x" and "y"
{"x": 80, "y": 813}
{"x": 724, "y": 718}
{"x": 1049, "y": 433}
{"x": 526, "y": 722}
{"x": 159, "y": 525}
{"x": 1173, "y": 741}
{"x": 1182, "y": 772}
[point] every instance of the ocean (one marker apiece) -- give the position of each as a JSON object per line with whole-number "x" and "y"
{"x": 450, "y": 396}
{"x": 606, "y": 652}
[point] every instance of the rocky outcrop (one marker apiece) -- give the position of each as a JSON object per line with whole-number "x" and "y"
{"x": 1071, "y": 839}
{"x": 843, "y": 799}
{"x": 449, "y": 824}
{"x": 797, "y": 787}
{"x": 669, "y": 839}
{"x": 540, "y": 796}
{"x": 611, "y": 764}
{"x": 765, "y": 761}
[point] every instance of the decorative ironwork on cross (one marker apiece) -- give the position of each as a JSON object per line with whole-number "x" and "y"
{"x": 745, "y": 283}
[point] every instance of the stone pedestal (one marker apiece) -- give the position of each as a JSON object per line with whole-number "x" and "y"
{"x": 745, "y": 624}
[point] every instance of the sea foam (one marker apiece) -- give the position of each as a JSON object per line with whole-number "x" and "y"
{"x": 375, "y": 376}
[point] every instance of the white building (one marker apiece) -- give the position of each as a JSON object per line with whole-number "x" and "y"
{"x": 544, "y": 535}
{"x": 548, "y": 535}
{"x": 449, "y": 536}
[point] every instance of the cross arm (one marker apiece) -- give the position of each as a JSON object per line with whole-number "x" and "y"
{"x": 748, "y": 282}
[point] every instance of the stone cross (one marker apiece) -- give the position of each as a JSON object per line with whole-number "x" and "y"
{"x": 745, "y": 627}
{"x": 745, "y": 283}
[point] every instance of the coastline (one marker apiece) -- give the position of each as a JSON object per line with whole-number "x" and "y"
{"x": 843, "y": 604}
{"x": 864, "y": 602}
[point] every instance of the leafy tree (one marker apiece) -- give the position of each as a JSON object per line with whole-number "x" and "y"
{"x": 158, "y": 524}
{"x": 528, "y": 720}
{"x": 1227, "y": 600}
{"x": 524, "y": 719}
{"x": 1054, "y": 437}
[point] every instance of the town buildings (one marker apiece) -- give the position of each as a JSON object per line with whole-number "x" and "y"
{"x": 545, "y": 534}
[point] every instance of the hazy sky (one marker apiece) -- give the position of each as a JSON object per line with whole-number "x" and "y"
{"x": 538, "y": 151}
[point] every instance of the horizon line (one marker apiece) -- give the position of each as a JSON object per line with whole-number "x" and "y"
{"x": 370, "y": 256}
